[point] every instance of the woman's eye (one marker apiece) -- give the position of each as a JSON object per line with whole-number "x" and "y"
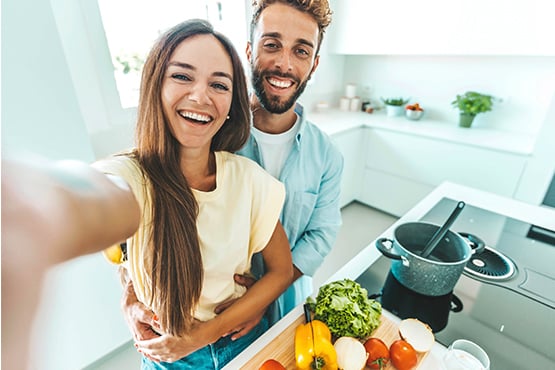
{"x": 181, "y": 77}
{"x": 220, "y": 86}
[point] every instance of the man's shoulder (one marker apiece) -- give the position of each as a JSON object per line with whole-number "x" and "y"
{"x": 318, "y": 138}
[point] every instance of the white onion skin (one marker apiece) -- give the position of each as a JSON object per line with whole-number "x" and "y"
{"x": 351, "y": 354}
{"x": 424, "y": 338}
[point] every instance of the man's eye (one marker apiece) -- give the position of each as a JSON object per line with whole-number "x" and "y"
{"x": 270, "y": 45}
{"x": 303, "y": 52}
{"x": 180, "y": 76}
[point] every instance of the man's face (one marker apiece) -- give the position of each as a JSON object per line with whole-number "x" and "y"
{"x": 282, "y": 56}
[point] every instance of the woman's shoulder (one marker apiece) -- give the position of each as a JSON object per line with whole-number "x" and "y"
{"x": 239, "y": 162}
{"x": 122, "y": 164}
{"x": 118, "y": 160}
{"x": 244, "y": 168}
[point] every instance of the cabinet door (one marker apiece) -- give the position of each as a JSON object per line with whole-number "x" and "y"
{"x": 478, "y": 27}
{"x": 350, "y": 145}
{"x": 392, "y": 194}
{"x": 410, "y": 164}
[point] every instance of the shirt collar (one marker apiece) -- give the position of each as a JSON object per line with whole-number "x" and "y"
{"x": 299, "y": 110}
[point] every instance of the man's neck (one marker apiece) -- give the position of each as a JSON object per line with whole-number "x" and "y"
{"x": 273, "y": 123}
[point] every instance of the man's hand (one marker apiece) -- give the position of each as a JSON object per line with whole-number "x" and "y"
{"x": 168, "y": 348}
{"x": 244, "y": 280}
{"x": 140, "y": 320}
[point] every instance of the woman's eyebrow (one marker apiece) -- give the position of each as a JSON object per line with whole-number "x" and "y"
{"x": 189, "y": 66}
{"x": 182, "y": 65}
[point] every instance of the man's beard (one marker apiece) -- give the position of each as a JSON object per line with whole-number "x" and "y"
{"x": 273, "y": 104}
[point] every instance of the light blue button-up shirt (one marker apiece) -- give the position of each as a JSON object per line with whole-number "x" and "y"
{"x": 311, "y": 215}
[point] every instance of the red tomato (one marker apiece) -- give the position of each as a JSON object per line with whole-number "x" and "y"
{"x": 402, "y": 355}
{"x": 378, "y": 353}
{"x": 271, "y": 365}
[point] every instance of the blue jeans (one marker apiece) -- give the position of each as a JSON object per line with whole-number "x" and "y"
{"x": 213, "y": 356}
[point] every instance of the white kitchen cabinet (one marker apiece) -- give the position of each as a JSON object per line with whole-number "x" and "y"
{"x": 434, "y": 27}
{"x": 400, "y": 169}
{"x": 350, "y": 145}
{"x": 390, "y": 193}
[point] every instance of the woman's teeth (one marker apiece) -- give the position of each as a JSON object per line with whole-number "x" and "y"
{"x": 196, "y": 117}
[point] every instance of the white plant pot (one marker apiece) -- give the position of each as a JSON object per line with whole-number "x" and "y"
{"x": 394, "y": 110}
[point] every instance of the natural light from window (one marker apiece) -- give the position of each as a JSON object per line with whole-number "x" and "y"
{"x": 131, "y": 27}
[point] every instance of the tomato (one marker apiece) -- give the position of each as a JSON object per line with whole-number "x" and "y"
{"x": 271, "y": 365}
{"x": 402, "y": 355}
{"x": 378, "y": 353}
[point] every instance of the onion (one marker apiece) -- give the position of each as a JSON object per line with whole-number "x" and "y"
{"x": 417, "y": 334}
{"x": 351, "y": 354}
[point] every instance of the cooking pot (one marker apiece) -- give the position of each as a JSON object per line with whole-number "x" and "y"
{"x": 436, "y": 274}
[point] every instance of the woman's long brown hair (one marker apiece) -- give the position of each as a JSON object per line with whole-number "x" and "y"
{"x": 177, "y": 269}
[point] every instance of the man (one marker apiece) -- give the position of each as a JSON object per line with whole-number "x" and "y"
{"x": 283, "y": 53}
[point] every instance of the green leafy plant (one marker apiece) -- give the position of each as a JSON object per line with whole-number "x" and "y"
{"x": 395, "y": 101}
{"x": 472, "y": 103}
{"x": 129, "y": 63}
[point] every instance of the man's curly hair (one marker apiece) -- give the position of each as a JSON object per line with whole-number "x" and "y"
{"x": 319, "y": 10}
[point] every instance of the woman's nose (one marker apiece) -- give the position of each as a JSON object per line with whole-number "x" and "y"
{"x": 199, "y": 93}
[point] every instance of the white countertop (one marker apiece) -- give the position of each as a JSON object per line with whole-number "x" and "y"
{"x": 537, "y": 215}
{"x": 336, "y": 121}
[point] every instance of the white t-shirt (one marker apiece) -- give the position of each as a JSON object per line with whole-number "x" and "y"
{"x": 275, "y": 148}
{"x": 235, "y": 221}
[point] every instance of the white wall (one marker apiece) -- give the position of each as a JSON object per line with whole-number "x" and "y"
{"x": 39, "y": 108}
{"x": 79, "y": 319}
{"x": 524, "y": 83}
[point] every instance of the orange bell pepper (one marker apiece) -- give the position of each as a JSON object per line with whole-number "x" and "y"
{"x": 313, "y": 347}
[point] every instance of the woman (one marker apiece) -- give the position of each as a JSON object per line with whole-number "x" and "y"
{"x": 205, "y": 211}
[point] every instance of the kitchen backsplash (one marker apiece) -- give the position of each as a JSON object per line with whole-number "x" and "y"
{"x": 525, "y": 84}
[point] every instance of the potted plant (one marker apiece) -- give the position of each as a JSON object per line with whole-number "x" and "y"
{"x": 470, "y": 104}
{"x": 394, "y": 106}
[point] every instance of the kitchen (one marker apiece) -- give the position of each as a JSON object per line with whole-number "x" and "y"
{"x": 523, "y": 78}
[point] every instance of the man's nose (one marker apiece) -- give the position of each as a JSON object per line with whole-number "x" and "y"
{"x": 283, "y": 61}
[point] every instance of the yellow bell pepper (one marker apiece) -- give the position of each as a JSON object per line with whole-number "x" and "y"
{"x": 313, "y": 347}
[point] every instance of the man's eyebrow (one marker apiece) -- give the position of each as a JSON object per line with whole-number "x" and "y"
{"x": 277, "y": 35}
{"x": 189, "y": 66}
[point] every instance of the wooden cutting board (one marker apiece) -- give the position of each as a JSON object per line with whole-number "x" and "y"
{"x": 282, "y": 348}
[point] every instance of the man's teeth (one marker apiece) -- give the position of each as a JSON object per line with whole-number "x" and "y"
{"x": 281, "y": 84}
{"x": 196, "y": 116}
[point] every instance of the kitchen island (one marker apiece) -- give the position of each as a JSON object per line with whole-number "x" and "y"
{"x": 536, "y": 215}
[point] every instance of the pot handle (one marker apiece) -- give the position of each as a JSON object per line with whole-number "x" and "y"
{"x": 476, "y": 244}
{"x": 386, "y": 249}
{"x": 456, "y": 303}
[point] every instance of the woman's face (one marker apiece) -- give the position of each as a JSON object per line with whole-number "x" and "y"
{"x": 197, "y": 90}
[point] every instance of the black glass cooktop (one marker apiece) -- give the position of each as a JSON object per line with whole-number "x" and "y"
{"x": 513, "y": 318}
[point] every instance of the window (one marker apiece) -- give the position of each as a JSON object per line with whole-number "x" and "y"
{"x": 132, "y": 26}
{"x": 106, "y": 41}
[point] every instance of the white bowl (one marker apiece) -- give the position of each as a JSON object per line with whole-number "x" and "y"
{"x": 414, "y": 115}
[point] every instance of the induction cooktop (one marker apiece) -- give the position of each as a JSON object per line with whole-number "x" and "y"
{"x": 511, "y": 317}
